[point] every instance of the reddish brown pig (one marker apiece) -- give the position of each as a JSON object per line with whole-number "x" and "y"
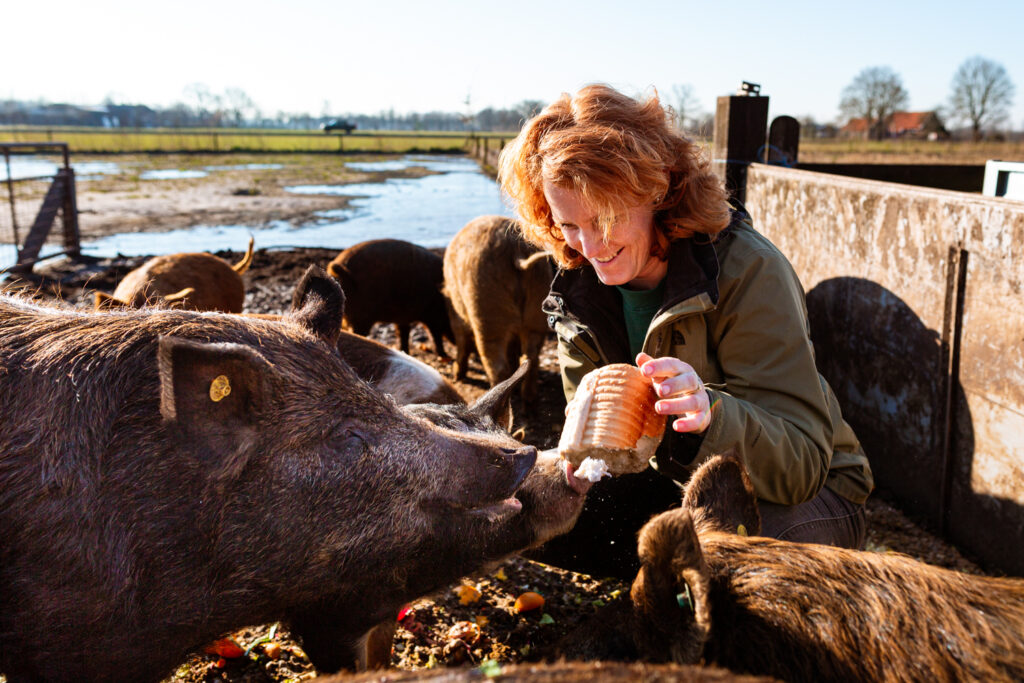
{"x": 495, "y": 284}
{"x": 169, "y": 476}
{"x": 392, "y": 281}
{"x": 196, "y": 282}
{"x": 805, "y": 612}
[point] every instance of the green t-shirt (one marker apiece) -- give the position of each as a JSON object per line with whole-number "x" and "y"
{"x": 638, "y": 308}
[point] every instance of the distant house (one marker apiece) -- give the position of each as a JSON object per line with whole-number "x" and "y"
{"x": 855, "y": 128}
{"x": 918, "y": 125}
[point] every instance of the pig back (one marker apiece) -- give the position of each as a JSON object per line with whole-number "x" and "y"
{"x": 215, "y": 284}
{"x": 389, "y": 280}
{"x": 490, "y": 276}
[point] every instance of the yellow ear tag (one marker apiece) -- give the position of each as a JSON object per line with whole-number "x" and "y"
{"x": 741, "y": 530}
{"x": 219, "y": 388}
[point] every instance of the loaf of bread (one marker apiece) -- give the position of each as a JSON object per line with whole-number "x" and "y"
{"x": 612, "y": 418}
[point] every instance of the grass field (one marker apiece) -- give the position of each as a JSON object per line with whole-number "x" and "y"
{"x": 221, "y": 140}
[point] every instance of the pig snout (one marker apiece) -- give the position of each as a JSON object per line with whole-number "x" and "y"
{"x": 484, "y": 479}
{"x": 523, "y": 460}
{"x": 507, "y": 470}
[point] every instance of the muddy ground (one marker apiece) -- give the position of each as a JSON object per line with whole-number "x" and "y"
{"x": 458, "y": 626}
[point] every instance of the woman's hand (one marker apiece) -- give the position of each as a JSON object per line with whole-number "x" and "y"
{"x": 681, "y": 392}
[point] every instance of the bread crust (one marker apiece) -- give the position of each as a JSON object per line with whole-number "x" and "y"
{"x": 612, "y": 418}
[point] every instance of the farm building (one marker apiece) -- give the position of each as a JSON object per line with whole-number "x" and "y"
{"x": 923, "y": 125}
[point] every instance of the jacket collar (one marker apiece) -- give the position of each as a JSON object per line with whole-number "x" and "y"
{"x": 588, "y": 304}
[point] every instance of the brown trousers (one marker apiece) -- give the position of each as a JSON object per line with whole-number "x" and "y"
{"x": 828, "y": 518}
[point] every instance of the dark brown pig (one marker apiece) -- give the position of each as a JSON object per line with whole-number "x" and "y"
{"x": 392, "y": 281}
{"x": 806, "y": 612}
{"x": 495, "y": 283}
{"x": 195, "y": 282}
{"x": 170, "y": 476}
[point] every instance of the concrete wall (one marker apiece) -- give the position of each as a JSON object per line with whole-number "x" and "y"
{"x": 917, "y": 315}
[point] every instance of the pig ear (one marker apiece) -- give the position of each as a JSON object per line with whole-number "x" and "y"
{"x": 318, "y": 304}
{"x": 721, "y": 496}
{"x": 213, "y": 395}
{"x": 495, "y": 404}
{"x": 673, "y": 585}
{"x": 106, "y": 302}
{"x": 179, "y": 298}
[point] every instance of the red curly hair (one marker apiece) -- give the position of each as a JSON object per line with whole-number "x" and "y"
{"x": 616, "y": 152}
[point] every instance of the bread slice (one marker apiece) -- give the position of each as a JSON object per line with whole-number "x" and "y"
{"x": 612, "y": 418}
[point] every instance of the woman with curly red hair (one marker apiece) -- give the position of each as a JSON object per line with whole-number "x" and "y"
{"x": 657, "y": 268}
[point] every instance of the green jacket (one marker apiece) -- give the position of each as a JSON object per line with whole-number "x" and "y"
{"x": 734, "y": 309}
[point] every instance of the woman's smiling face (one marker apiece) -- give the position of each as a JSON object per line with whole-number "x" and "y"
{"x": 625, "y": 258}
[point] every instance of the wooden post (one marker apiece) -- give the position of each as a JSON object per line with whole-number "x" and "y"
{"x": 783, "y": 141}
{"x": 69, "y": 210}
{"x": 739, "y": 139}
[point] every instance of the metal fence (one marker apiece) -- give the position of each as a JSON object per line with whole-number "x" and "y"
{"x": 38, "y": 194}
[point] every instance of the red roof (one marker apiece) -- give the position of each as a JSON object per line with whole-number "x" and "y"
{"x": 907, "y": 120}
{"x": 899, "y": 122}
{"x": 856, "y": 126}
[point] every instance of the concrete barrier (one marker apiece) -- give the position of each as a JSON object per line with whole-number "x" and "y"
{"x": 917, "y": 315}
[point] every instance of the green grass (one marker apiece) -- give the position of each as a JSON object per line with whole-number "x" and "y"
{"x": 117, "y": 141}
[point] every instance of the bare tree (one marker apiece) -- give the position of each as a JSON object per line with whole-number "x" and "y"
{"x": 686, "y": 105}
{"x": 874, "y": 94}
{"x": 982, "y": 94}
{"x": 239, "y": 106}
{"x": 204, "y": 99}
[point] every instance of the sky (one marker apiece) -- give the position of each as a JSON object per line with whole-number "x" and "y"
{"x": 333, "y": 57}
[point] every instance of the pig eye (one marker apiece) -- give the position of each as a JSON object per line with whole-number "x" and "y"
{"x": 348, "y": 436}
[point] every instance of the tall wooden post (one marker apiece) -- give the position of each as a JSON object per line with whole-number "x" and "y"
{"x": 69, "y": 212}
{"x": 741, "y": 123}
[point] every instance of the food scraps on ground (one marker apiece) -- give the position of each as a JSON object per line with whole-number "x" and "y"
{"x": 467, "y": 593}
{"x": 226, "y": 648}
{"x": 529, "y": 601}
{"x": 466, "y": 631}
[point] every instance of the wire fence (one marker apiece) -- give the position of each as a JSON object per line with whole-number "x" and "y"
{"x": 36, "y": 196}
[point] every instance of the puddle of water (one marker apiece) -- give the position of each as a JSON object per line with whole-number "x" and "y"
{"x": 431, "y": 163}
{"x": 427, "y": 211}
{"x": 177, "y": 173}
{"x": 245, "y": 167}
{"x": 171, "y": 174}
{"x": 29, "y": 167}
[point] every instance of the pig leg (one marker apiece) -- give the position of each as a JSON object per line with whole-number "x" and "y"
{"x": 493, "y": 350}
{"x": 360, "y": 327}
{"x": 463, "y": 346}
{"x": 531, "y": 343}
{"x": 438, "y": 336}
{"x": 374, "y": 650}
{"x": 403, "y": 336}
{"x": 331, "y": 644}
